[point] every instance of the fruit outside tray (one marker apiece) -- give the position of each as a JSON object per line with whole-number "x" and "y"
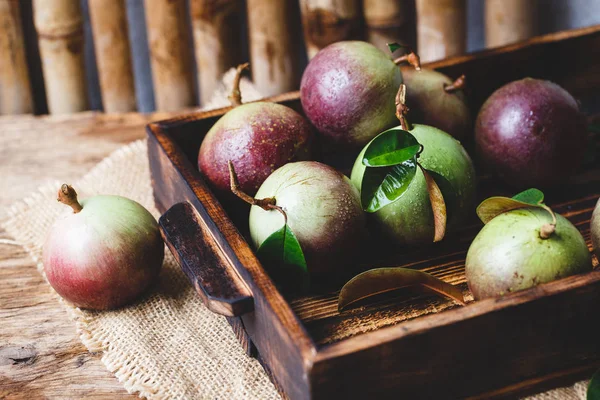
{"x": 402, "y": 345}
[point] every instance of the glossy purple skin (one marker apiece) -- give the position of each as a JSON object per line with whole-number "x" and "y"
{"x": 531, "y": 133}
{"x": 258, "y": 138}
{"x": 348, "y": 90}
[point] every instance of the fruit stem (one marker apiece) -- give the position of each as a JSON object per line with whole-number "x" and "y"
{"x": 459, "y": 84}
{"x": 67, "y": 195}
{"x": 401, "y": 108}
{"x": 236, "y": 96}
{"x": 548, "y": 229}
{"x": 410, "y": 57}
{"x": 266, "y": 204}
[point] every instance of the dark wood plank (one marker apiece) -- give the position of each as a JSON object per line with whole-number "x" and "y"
{"x": 495, "y": 342}
{"x": 217, "y": 283}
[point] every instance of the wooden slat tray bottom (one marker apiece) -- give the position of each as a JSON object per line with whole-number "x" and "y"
{"x": 326, "y": 325}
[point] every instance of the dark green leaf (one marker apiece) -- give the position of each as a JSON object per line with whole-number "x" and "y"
{"x": 394, "y": 46}
{"x": 593, "y": 390}
{"x": 494, "y": 206}
{"x": 382, "y": 186}
{"x": 438, "y": 205}
{"x": 391, "y": 147}
{"x": 382, "y": 280}
{"x": 284, "y": 260}
{"x": 530, "y": 196}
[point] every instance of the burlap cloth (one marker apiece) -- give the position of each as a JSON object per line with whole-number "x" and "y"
{"x": 168, "y": 345}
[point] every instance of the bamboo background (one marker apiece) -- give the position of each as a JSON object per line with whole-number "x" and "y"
{"x": 65, "y": 56}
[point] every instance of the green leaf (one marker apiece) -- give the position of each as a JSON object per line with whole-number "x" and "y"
{"x": 391, "y": 147}
{"x": 593, "y": 389}
{"x": 284, "y": 260}
{"x": 530, "y": 196}
{"x": 494, "y": 206}
{"x": 394, "y": 46}
{"x": 382, "y": 280}
{"x": 382, "y": 186}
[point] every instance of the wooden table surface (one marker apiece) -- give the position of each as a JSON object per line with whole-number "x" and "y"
{"x": 40, "y": 353}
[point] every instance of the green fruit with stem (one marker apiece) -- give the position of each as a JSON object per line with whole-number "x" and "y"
{"x": 410, "y": 218}
{"x": 522, "y": 246}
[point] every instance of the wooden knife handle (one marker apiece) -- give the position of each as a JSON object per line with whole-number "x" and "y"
{"x": 203, "y": 261}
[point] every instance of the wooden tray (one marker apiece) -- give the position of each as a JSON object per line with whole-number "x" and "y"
{"x": 403, "y": 345}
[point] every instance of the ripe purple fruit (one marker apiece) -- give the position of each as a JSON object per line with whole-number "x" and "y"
{"x": 257, "y": 138}
{"x": 348, "y": 91}
{"x": 531, "y": 133}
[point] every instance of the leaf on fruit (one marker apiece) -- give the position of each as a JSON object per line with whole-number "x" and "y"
{"x": 438, "y": 206}
{"x": 284, "y": 260}
{"x": 382, "y": 186}
{"x": 391, "y": 147}
{"x": 394, "y": 46}
{"x": 494, "y": 206}
{"x": 593, "y": 389}
{"x": 530, "y": 196}
{"x": 382, "y": 280}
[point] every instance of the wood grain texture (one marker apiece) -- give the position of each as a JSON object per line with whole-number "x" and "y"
{"x": 403, "y": 342}
{"x": 272, "y": 57}
{"x": 169, "y": 42}
{"x": 113, "y": 54}
{"x": 329, "y": 21}
{"x": 59, "y": 26}
{"x": 15, "y": 88}
{"x": 217, "y": 38}
{"x": 212, "y": 274}
{"x": 509, "y": 21}
{"x": 389, "y": 21}
{"x": 40, "y": 353}
{"x": 441, "y": 28}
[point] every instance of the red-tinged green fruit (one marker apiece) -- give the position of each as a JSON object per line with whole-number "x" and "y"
{"x": 323, "y": 211}
{"x": 433, "y": 101}
{"x": 409, "y": 219}
{"x": 531, "y": 133}
{"x": 509, "y": 254}
{"x": 104, "y": 253}
{"x": 257, "y": 138}
{"x": 348, "y": 91}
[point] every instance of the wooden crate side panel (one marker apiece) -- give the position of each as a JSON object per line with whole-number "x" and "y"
{"x": 483, "y": 347}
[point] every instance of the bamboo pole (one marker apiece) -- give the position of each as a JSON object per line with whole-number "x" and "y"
{"x": 509, "y": 21}
{"x": 328, "y": 21}
{"x": 15, "y": 88}
{"x": 113, "y": 56}
{"x": 216, "y": 27}
{"x": 169, "y": 42}
{"x": 272, "y": 59}
{"x": 441, "y": 28}
{"x": 59, "y": 28}
{"x": 390, "y": 21}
